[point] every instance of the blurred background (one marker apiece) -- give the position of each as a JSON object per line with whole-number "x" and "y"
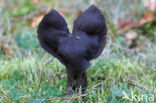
{"x": 131, "y": 43}
{"x": 131, "y": 22}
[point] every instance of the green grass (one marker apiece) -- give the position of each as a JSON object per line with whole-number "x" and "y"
{"x": 119, "y": 75}
{"x": 21, "y": 75}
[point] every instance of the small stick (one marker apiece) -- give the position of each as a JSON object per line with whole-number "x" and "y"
{"x": 75, "y": 97}
{"x": 69, "y": 98}
{"x": 44, "y": 64}
{"x": 50, "y": 79}
{"x": 142, "y": 86}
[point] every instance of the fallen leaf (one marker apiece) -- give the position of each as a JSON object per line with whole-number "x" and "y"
{"x": 78, "y": 13}
{"x": 148, "y": 16}
{"x": 7, "y": 49}
{"x": 61, "y": 13}
{"x": 36, "y": 1}
{"x": 35, "y": 20}
{"x": 122, "y": 24}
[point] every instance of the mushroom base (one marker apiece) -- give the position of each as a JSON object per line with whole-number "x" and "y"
{"x": 76, "y": 84}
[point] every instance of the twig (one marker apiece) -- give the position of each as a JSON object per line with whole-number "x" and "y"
{"x": 50, "y": 79}
{"x": 142, "y": 86}
{"x": 133, "y": 25}
{"x": 96, "y": 85}
{"x": 44, "y": 64}
{"x": 70, "y": 98}
{"x": 75, "y": 97}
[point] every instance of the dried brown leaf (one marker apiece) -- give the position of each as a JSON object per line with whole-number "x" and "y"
{"x": 35, "y": 20}
{"x": 7, "y": 49}
{"x": 36, "y": 1}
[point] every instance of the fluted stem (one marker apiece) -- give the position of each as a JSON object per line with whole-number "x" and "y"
{"x": 76, "y": 84}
